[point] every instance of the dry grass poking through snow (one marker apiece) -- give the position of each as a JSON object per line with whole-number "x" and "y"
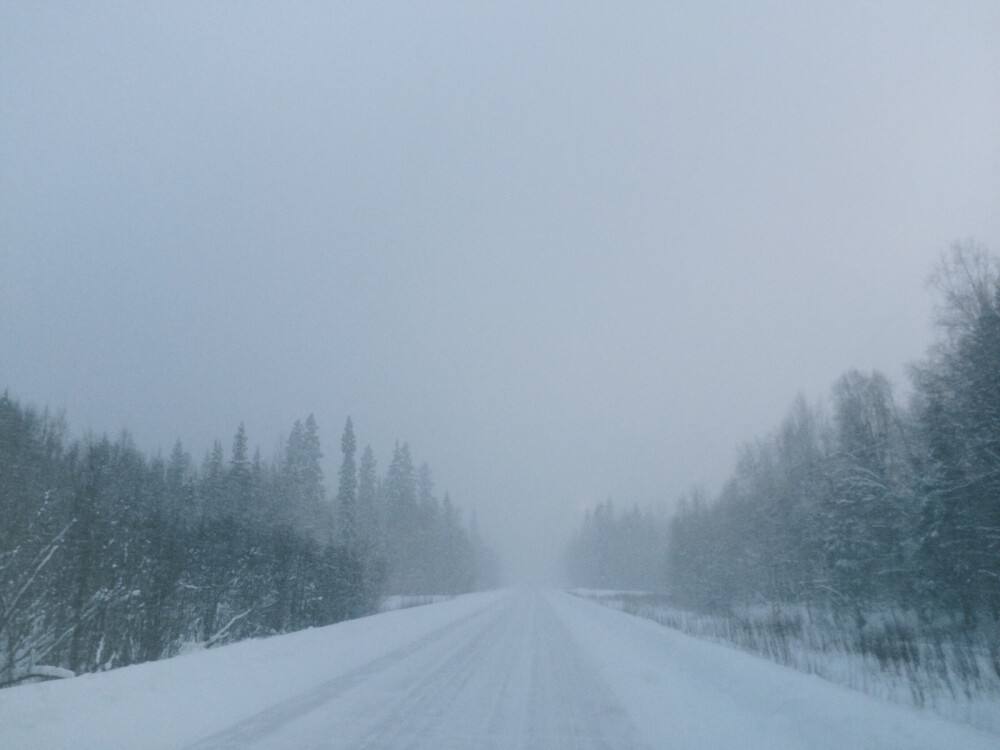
{"x": 891, "y": 654}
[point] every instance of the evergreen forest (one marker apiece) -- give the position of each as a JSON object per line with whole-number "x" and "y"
{"x": 859, "y": 505}
{"x": 109, "y": 557}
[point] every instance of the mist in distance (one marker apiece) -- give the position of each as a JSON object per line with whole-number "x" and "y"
{"x": 565, "y": 254}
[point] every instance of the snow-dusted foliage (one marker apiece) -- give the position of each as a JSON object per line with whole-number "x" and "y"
{"x": 873, "y": 504}
{"x": 865, "y": 511}
{"x": 110, "y": 558}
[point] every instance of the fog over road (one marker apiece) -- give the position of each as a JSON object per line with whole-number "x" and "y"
{"x": 509, "y": 669}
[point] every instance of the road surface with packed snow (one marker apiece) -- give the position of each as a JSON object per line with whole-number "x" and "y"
{"x": 511, "y": 669}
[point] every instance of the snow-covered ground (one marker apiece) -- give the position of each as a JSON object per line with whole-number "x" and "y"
{"x": 390, "y": 603}
{"x": 513, "y": 669}
{"x": 947, "y": 672}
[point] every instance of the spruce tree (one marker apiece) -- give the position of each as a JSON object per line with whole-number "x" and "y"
{"x": 369, "y": 524}
{"x": 347, "y": 492}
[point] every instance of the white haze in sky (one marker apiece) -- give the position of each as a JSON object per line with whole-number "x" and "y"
{"x": 566, "y": 250}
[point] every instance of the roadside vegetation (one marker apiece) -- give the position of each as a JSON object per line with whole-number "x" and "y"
{"x": 109, "y": 557}
{"x": 860, "y": 540}
{"x": 894, "y": 655}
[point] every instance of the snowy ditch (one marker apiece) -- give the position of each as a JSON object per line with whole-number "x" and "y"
{"x": 890, "y": 656}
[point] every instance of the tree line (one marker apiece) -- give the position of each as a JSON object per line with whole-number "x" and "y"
{"x": 109, "y": 557}
{"x": 621, "y": 550}
{"x": 861, "y": 504}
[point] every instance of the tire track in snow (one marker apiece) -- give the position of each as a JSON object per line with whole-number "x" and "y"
{"x": 270, "y": 720}
{"x": 509, "y": 676}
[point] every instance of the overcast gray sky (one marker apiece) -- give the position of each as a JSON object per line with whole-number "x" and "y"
{"x": 566, "y": 250}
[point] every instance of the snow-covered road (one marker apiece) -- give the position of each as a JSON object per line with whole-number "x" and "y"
{"x": 507, "y": 675}
{"x": 514, "y": 669}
